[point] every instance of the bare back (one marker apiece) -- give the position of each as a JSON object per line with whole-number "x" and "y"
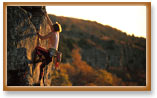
{"x": 53, "y": 40}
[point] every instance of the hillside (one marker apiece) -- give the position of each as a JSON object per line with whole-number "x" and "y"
{"x": 93, "y": 54}
{"x": 104, "y": 47}
{"x": 105, "y": 41}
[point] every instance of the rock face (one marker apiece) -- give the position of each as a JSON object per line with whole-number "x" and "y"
{"x": 22, "y": 25}
{"x": 114, "y": 54}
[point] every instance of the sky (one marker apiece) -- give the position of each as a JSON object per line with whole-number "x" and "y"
{"x": 129, "y": 19}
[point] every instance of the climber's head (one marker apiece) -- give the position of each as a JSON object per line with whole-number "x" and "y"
{"x": 57, "y": 27}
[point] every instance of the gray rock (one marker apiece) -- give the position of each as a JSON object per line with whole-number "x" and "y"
{"x": 21, "y": 41}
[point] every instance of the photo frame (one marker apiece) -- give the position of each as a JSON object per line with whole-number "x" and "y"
{"x": 79, "y": 88}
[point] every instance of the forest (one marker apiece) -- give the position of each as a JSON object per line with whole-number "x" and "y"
{"x": 100, "y": 55}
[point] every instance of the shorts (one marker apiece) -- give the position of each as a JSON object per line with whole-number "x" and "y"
{"x": 52, "y": 52}
{"x": 47, "y": 54}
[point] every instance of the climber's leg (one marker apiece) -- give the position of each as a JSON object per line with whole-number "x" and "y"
{"x": 42, "y": 52}
{"x": 41, "y": 71}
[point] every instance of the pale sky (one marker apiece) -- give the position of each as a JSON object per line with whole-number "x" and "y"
{"x": 129, "y": 19}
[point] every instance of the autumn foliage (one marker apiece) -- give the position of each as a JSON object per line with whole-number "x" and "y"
{"x": 82, "y": 74}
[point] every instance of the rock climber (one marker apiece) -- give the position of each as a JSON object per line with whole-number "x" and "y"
{"x": 52, "y": 54}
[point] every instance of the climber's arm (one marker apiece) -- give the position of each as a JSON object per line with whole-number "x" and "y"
{"x": 49, "y": 22}
{"x": 45, "y": 36}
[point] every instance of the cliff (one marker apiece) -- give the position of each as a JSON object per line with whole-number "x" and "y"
{"x": 22, "y": 25}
